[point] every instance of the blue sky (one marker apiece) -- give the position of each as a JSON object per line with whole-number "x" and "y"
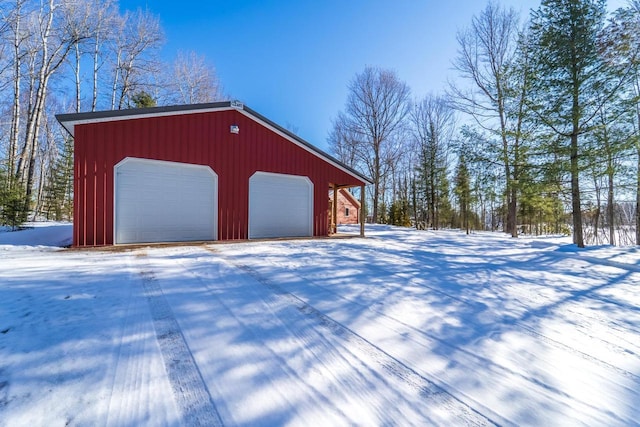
{"x": 292, "y": 60}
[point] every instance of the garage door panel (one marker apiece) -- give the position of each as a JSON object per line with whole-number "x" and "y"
{"x": 164, "y": 201}
{"x": 280, "y": 206}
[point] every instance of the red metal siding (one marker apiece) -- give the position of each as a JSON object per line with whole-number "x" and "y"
{"x": 200, "y": 138}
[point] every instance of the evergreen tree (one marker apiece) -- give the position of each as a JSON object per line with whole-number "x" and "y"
{"x": 572, "y": 78}
{"x": 445, "y": 211}
{"x": 487, "y": 175}
{"x": 462, "y": 191}
{"x": 12, "y": 212}
{"x": 143, "y": 99}
{"x": 433, "y": 124}
{"x": 553, "y": 170}
{"x": 399, "y": 213}
{"x": 537, "y": 202}
{"x": 394, "y": 213}
{"x": 383, "y": 217}
{"x": 59, "y": 190}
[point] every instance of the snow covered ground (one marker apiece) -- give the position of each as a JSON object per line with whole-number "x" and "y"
{"x": 401, "y": 328}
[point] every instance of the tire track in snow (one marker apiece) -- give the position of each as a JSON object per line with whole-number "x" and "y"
{"x": 127, "y": 370}
{"x": 514, "y": 322}
{"x": 390, "y": 414}
{"x": 138, "y": 394}
{"x": 487, "y": 363}
{"x": 435, "y": 394}
{"x": 314, "y": 394}
{"x": 191, "y": 393}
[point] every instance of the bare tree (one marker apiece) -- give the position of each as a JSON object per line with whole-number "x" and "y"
{"x": 191, "y": 80}
{"x": 487, "y": 58}
{"x": 343, "y": 142}
{"x": 134, "y": 55}
{"x": 394, "y": 168}
{"x": 377, "y": 105}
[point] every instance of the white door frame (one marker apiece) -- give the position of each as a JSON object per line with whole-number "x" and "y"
{"x": 300, "y": 177}
{"x": 143, "y": 160}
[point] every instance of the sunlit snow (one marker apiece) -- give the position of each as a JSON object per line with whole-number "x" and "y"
{"x": 404, "y": 327}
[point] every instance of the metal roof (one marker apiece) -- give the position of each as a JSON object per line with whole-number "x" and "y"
{"x": 68, "y": 121}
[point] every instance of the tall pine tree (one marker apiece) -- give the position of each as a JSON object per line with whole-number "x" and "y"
{"x": 572, "y": 78}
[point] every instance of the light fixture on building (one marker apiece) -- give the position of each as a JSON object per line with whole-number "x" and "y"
{"x": 235, "y": 129}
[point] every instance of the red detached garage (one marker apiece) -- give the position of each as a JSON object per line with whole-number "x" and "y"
{"x": 217, "y": 171}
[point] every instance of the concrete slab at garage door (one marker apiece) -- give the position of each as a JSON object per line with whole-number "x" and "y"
{"x": 280, "y": 205}
{"x": 157, "y": 201}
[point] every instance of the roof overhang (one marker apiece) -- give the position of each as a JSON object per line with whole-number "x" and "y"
{"x": 69, "y": 121}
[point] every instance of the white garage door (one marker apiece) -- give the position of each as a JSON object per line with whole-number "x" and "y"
{"x": 159, "y": 201}
{"x": 280, "y": 206}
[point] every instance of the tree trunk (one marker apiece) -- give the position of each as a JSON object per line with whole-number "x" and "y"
{"x": 414, "y": 201}
{"x": 512, "y": 226}
{"x": 513, "y": 211}
{"x": 610, "y": 209}
{"x": 575, "y": 194}
{"x": 610, "y": 175}
{"x": 77, "y": 76}
{"x": 596, "y": 217}
{"x": 116, "y": 77}
{"x": 21, "y": 166}
{"x": 376, "y": 178}
{"x": 94, "y": 96}
{"x": 432, "y": 176}
{"x": 15, "y": 111}
{"x": 39, "y": 201}
{"x": 34, "y": 135}
{"x": 509, "y": 220}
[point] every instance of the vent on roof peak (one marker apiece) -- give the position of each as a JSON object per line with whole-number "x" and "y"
{"x": 237, "y": 104}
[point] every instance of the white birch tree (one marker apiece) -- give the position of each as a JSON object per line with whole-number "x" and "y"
{"x": 54, "y": 31}
{"x": 135, "y": 56}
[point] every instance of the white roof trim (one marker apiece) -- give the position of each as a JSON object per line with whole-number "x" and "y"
{"x": 70, "y": 125}
{"x": 298, "y": 143}
{"x": 69, "y": 122}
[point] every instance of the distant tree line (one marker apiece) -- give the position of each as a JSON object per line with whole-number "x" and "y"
{"x": 539, "y": 134}
{"x": 71, "y": 56}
